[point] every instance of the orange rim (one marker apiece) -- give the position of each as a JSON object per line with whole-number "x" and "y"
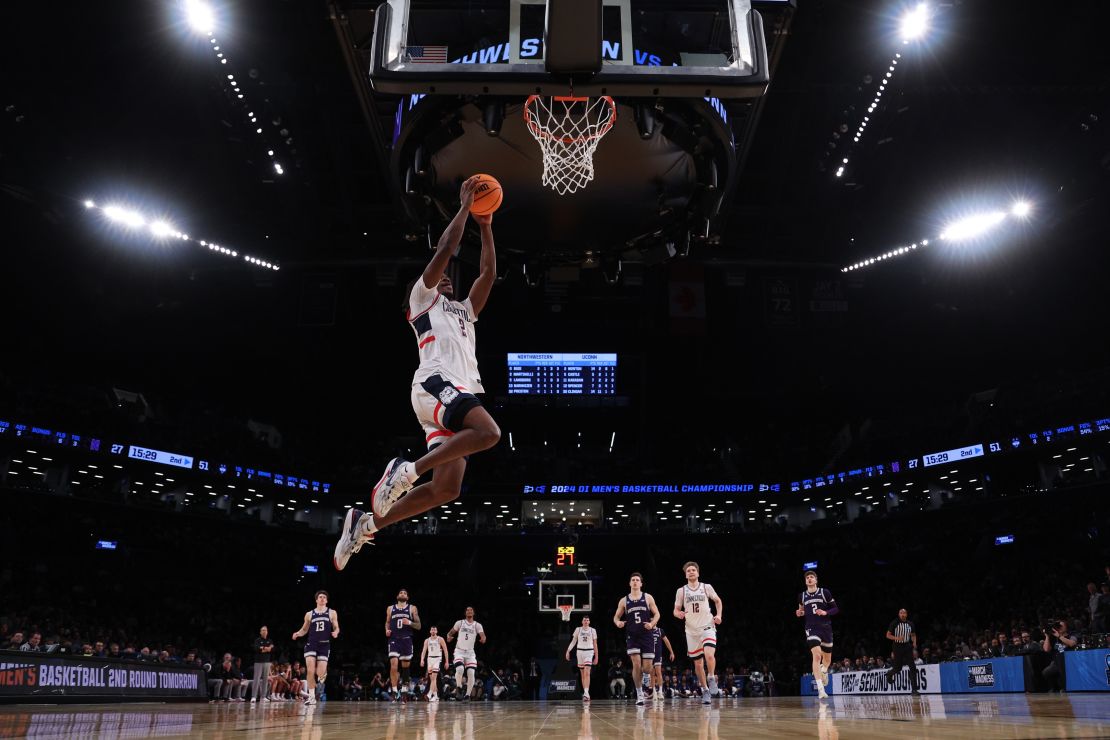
{"x": 539, "y": 132}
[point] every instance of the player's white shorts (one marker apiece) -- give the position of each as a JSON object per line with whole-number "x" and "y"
{"x": 440, "y": 407}
{"x": 435, "y": 662}
{"x": 585, "y": 658}
{"x": 467, "y": 658}
{"x": 699, "y": 638}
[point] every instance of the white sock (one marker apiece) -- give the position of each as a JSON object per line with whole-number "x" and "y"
{"x": 408, "y": 470}
{"x": 367, "y": 525}
{"x": 459, "y": 677}
{"x": 469, "y": 682}
{"x": 585, "y": 692}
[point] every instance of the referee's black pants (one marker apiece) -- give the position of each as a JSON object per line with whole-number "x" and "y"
{"x": 903, "y": 655}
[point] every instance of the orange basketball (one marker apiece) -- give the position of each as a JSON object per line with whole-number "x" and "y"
{"x": 487, "y": 196}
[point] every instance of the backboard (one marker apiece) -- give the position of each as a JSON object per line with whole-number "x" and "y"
{"x": 552, "y": 593}
{"x": 650, "y": 48}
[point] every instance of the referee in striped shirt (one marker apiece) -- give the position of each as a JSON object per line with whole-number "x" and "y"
{"x": 902, "y": 634}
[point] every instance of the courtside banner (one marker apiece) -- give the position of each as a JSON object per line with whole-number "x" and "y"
{"x": 1087, "y": 670}
{"x": 28, "y": 677}
{"x": 997, "y": 675}
{"x": 876, "y": 682}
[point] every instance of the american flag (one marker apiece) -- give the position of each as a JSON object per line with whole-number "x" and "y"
{"x": 426, "y": 54}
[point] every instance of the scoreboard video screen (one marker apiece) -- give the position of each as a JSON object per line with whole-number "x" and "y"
{"x": 562, "y": 373}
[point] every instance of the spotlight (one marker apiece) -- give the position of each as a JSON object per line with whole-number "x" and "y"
{"x": 90, "y": 204}
{"x": 493, "y": 115}
{"x": 972, "y": 226}
{"x": 124, "y": 216}
{"x": 161, "y": 229}
{"x": 200, "y": 16}
{"x": 915, "y": 23}
{"x": 1021, "y": 209}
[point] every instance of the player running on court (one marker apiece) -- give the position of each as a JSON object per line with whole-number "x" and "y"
{"x": 443, "y": 388}
{"x": 818, "y": 606}
{"x": 637, "y": 614}
{"x": 321, "y": 625}
{"x": 691, "y": 603}
{"x": 401, "y": 619}
{"x": 585, "y": 638}
{"x": 470, "y": 632}
{"x": 660, "y": 639}
{"x": 436, "y": 656}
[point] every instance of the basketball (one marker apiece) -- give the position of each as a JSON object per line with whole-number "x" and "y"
{"x": 487, "y": 196}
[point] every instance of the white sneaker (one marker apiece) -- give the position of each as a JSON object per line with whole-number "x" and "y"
{"x": 433, "y": 697}
{"x": 825, "y": 675}
{"x": 396, "y": 481}
{"x": 309, "y": 700}
{"x": 821, "y": 692}
{"x": 705, "y": 698}
{"x": 586, "y": 698}
{"x": 351, "y": 539}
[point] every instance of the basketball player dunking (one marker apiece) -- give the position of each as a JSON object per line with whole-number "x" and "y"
{"x": 660, "y": 639}
{"x": 435, "y": 655}
{"x": 401, "y": 619}
{"x": 640, "y": 615}
{"x": 321, "y": 625}
{"x": 818, "y": 606}
{"x": 584, "y": 643}
{"x": 443, "y": 388}
{"x": 691, "y": 603}
{"x": 470, "y": 632}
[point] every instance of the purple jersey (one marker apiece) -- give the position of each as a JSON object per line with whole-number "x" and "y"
{"x": 637, "y": 615}
{"x": 399, "y": 629}
{"x": 319, "y": 630}
{"x": 820, "y": 599}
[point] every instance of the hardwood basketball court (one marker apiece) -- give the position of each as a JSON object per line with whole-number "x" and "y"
{"x": 959, "y": 716}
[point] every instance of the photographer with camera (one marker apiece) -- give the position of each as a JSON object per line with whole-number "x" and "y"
{"x": 1057, "y": 639}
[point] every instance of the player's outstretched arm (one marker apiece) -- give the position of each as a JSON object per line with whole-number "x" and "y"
{"x": 482, "y": 636}
{"x": 667, "y": 642}
{"x": 415, "y": 620}
{"x": 423, "y": 653}
{"x": 479, "y": 291}
{"x": 452, "y": 632}
{"x": 451, "y": 236}
{"x": 304, "y": 627}
{"x": 388, "y": 621}
{"x": 678, "y": 612}
{"x": 618, "y": 614}
{"x": 334, "y": 623}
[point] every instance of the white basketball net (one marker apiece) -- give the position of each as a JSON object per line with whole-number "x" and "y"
{"x": 565, "y": 609}
{"x": 568, "y": 131}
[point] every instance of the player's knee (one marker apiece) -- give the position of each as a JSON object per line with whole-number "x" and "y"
{"x": 489, "y": 434}
{"x": 443, "y": 492}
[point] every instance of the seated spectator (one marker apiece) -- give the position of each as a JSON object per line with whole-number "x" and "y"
{"x": 499, "y": 688}
{"x": 516, "y": 686}
{"x": 113, "y": 651}
{"x": 16, "y": 642}
{"x": 379, "y": 689}
{"x": 33, "y": 645}
{"x": 616, "y": 679}
{"x": 354, "y": 689}
{"x": 231, "y": 680}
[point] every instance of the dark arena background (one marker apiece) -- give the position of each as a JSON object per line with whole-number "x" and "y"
{"x": 829, "y": 295}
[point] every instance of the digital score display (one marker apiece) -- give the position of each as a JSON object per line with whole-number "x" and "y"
{"x": 564, "y": 557}
{"x": 556, "y": 374}
{"x": 158, "y": 456}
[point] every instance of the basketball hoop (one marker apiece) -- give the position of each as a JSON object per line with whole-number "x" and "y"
{"x": 566, "y": 609}
{"x": 568, "y": 131}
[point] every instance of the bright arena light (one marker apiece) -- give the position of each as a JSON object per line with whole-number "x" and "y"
{"x": 972, "y": 226}
{"x": 915, "y": 23}
{"x": 162, "y": 229}
{"x": 124, "y": 216}
{"x": 1021, "y": 209}
{"x": 200, "y": 16}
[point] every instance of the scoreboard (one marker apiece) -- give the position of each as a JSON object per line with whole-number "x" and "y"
{"x": 555, "y": 374}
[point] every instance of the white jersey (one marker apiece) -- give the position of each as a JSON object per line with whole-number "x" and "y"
{"x": 434, "y": 652}
{"x": 586, "y": 637}
{"x": 696, "y": 602}
{"x": 444, "y": 337}
{"x": 468, "y": 634}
